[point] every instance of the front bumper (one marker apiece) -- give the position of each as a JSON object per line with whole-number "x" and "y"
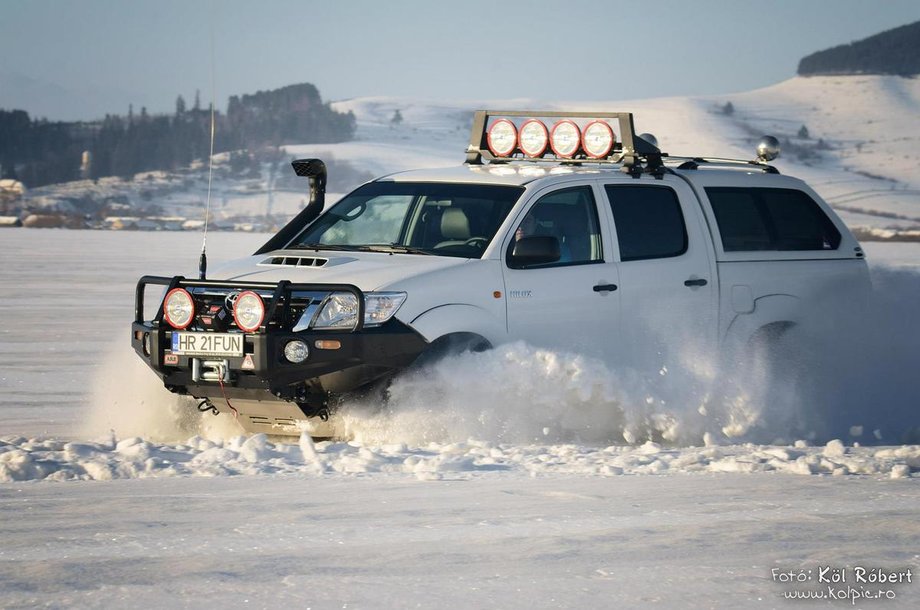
{"x": 263, "y": 373}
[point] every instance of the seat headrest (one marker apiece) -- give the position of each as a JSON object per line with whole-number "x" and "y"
{"x": 455, "y": 224}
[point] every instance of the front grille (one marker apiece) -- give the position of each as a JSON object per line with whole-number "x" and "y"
{"x": 214, "y": 310}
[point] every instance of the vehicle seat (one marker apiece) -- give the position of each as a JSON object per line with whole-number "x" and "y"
{"x": 455, "y": 227}
{"x": 575, "y": 226}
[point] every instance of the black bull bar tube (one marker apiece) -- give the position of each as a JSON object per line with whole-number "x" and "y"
{"x": 281, "y": 294}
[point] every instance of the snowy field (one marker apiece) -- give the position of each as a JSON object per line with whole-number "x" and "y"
{"x": 501, "y": 481}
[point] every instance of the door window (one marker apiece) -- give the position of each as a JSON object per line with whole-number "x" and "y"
{"x": 569, "y": 215}
{"x": 649, "y": 222}
{"x": 753, "y": 219}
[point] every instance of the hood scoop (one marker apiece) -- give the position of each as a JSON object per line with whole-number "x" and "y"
{"x": 294, "y": 261}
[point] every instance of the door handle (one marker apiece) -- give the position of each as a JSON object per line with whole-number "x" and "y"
{"x": 698, "y": 282}
{"x": 605, "y": 288}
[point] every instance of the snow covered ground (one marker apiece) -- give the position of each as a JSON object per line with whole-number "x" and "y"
{"x": 518, "y": 499}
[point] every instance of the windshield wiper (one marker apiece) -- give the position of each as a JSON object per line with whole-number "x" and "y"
{"x": 323, "y": 247}
{"x": 395, "y": 248}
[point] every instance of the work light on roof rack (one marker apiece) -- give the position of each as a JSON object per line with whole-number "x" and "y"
{"x": 502, "y": 138}
{"x": 597, "y": 139}
{"x": 533, "y": 138}
{"x": 565, "y": 138}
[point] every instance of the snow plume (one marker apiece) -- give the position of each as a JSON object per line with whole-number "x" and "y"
{"x": 859, "y": 379}
{"x": 517, "y": 393}
{"x": 128, "y": 399}
{"x": 843, "y": 375}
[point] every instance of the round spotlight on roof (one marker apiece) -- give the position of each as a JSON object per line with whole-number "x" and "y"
{"x": 597, "y": 140}
{"x": 565, "y": 138}
{"x": 650, "y": 138}
{"x": 767, "y": 148}
{"x": 533, "y": 138}
{"x": 502, "y": 138}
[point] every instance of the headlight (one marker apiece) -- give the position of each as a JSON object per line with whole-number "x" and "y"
{"x": 178, "y": 308}
{"x": 341, "y": 309}
{"x": 248, "y": 311}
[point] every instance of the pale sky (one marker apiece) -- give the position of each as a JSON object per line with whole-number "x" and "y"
{"x": 81, "y": 59}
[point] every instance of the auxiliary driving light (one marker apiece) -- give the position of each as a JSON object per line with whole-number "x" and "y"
{"x": 533, "y": 138}
{"x": 597, "y": 140}
{"x": 565, "y": 138}
{"x": 248, "y": 311}
{"x": 178, "y": 308}
{"x": 502, "y": 138}
{"x": 296, "y": 351}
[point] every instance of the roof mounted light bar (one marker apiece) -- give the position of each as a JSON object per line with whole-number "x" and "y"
{"x": 625, "y": 148}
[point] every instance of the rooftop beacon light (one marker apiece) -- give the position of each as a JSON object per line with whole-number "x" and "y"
{"x": 597, "y": 139}
{"x": 502, "y": 138}
{"x": 533, "y": 138}
{"x": 767, "y": 149}
{"x": 565, "y": 138}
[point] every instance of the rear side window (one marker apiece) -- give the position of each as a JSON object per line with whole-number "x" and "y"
{"x": 648, "y": 220}
{"x": 752, "y": 219}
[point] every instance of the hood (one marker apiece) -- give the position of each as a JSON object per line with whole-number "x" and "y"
{"x": 366, "y": 270}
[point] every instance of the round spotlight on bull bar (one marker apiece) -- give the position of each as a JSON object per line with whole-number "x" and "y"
{"x": 248, "y": 311}
{"x": 296, "y": 351}
{"x": 502, "y": 138}
{"x": 565, "y": 138}
{"x": 533, "y": 138}
{"x": 597, "y": 139}
{"x": 178, "y": 308}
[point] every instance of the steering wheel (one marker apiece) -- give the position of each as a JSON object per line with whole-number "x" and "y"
{"x": 479, "y": 243}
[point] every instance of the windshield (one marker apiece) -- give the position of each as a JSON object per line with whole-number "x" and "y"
{"x": 418, "y": 218}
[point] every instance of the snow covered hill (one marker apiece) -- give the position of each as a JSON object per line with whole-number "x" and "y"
{"x": 862, "y": 151}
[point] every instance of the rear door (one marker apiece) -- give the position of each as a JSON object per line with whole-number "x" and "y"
{"x": 572, "y": 303}
{"x": 667, "y": 285}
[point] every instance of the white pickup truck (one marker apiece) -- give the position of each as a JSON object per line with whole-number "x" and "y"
{"x": 564, "y": 230}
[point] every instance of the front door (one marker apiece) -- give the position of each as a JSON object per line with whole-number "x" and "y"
{"x": 571, "y": 303}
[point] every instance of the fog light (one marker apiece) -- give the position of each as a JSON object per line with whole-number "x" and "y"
{"x": 296, "y": 351}
{"x": 146, "y": 344}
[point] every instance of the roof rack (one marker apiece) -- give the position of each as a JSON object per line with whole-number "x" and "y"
{"x": 635, "y": 154}
{"x": 627, "y": 148}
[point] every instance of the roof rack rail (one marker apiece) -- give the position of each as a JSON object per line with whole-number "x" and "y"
{"x": 626, "y": 147}
{"x": 700, "y": 162}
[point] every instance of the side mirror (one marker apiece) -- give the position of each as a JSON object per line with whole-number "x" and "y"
{"x": 534, "y": 250}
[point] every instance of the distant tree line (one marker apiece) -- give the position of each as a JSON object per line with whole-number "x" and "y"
{"x": 895, "y": 51}
{"x": 39, "y": 152}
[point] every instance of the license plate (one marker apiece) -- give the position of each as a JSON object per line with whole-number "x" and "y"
{"x": 207, "y": 344}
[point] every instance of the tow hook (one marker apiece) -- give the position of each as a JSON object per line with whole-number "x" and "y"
{"x": 206, "y": 405}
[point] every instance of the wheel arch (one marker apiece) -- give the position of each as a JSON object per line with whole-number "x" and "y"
{"x": 458, "y": 320}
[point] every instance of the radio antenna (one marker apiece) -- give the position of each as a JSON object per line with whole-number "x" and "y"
{"x": 203, "y": 259}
